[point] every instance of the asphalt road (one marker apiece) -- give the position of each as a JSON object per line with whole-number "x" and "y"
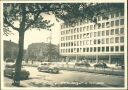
{"x": 71, "y": 76}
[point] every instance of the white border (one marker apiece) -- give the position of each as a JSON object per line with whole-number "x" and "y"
{"x": 64, "y": 1}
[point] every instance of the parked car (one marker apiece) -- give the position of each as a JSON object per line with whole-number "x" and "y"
{"x": 46, "y": 67}
{"x": 86, "y": 64}
{"x": 9, "y": 71}
{"x": 101, "y": 65}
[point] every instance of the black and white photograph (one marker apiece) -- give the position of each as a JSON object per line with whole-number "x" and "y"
{"x": 63, "y": 45}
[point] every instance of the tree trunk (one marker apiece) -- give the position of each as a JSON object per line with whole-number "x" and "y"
{"x": 18, "y": 63}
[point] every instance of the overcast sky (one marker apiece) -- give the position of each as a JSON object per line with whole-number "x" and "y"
{"x": 36, "y": 36}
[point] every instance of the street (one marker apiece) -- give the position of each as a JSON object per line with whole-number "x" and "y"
{"x": 37, "y": 78}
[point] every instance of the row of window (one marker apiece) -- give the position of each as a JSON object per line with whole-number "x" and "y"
{"x": 99, "y": 18}
{"x": 117, "y": 31}
{"x": 93, "y": 27}
{"x": 94, "y": 49}
{"x": 94, "y": 42}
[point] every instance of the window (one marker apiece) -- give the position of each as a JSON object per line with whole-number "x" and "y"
{"x": 112, "y": 23}
{"x": 77, "y": 36}
{"x": 61, "y": 26}
{"x": 98, "y": 49}
{"x": 112, "y": 15}
{"x": 107, "y": 24}
{"x": 80, "y": 36}
{"x": 77, "y": 43}
{"x": 87, "y": 42}
{"x": 111, "y": 40}
{"x": 121, "y": 48}
{"x": 71, "y": 37}
{"x": 103, "y": 25}
{"x": 99, "y": 18}
{"x": 94, "y": 34}
{"x": 107, "y": 40}
{"x": 87, "y": 49}
{"x": 117, "y": 14}
{"x": 121, "y": 21}
{"x": 116, "y": 48}
{"x": 107, "y": 49}
{"x": 98, "y": 33}
{"x": 99, "y": 25}
{"x": 107, "y": 32}
{"x": 71, "y": 30}
{"x": 94, "y": 26}
{"x": 121, "y": 39}
{"x": 80, "y": 43}
{"x": 121, "y": 30}
{"x": 91, "y": 49}
{"x": 91, "y": 27}
{"x": 87, "y": 28}
{"x": 74, "y": 36}
{"x": 75, "y": 30}
{"x": 77, "y": 49}
{"x": 80, "y": 22}
{"x": 94, "y": 41}
{"x": 103, "y": 48}
{"x": 103, "y": 41}
{"x": 71, "y": 43}
{"x": 91, "y": 34}
{"x": 121, "y": 13}
{"x": 112, "y": 32}
{"x": 117, "y": 22}
{"x": 80, "y": 29}
{"x": 94, "y": 49}
{"x": 117, "y": 40}
{"x": 84, "y": 49}
{"x": 71, "y": 50}
{"x": 83, "y": 29}
{"x": 99, "y": 41}
{"x": 117, "y": 31}
{"x": 87, "y": 35}
{"x": 74, "y": 43}
{"x": 112, "y": 48}
{"x": 103, "y": 33}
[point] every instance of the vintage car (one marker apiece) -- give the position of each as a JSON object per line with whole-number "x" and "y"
{"x": 101, "y": 65}
{"x": 83, "y": 63}
{"x": 48, "y": 67}
{"x": 9, "y": 71}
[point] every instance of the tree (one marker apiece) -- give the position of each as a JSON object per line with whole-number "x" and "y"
{"x": 30, "y": 16}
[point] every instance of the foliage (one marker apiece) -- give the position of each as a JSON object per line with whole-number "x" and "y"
{"x": 30, "y": 14}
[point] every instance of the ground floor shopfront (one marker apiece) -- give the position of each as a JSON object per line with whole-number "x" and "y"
{"x": 111, "y": 58}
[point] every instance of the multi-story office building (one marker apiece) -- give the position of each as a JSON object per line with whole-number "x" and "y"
{"x": 103, "y": 41}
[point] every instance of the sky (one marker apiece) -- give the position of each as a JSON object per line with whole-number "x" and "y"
{"x": 36, "y": 36}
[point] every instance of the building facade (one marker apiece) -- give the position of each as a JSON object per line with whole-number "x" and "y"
{"x": 42, "y": 52}
{"x": 10, "y": 50}
{"x": 103, "y": 41}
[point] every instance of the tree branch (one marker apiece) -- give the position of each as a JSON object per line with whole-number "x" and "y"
{"x": 9, "y": 24}
{"x": 35, "y": 18}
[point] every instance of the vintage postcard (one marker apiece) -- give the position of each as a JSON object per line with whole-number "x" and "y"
{"x": 63, "y": 44}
